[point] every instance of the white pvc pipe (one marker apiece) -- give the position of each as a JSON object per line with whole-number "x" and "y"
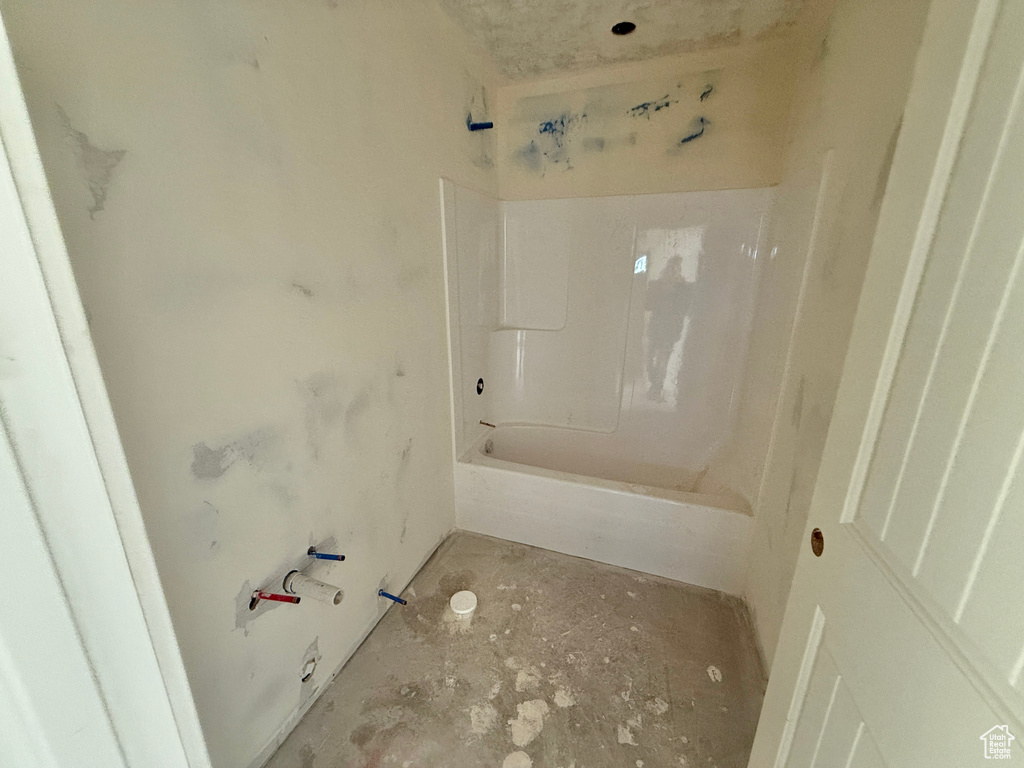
{"x": 296, "y": 583}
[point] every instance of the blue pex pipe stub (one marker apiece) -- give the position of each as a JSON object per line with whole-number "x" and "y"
{"x": 323, "y": 556}
{"x": 400, "y": 601}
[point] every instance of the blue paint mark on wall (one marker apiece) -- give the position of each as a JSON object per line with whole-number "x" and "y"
{"x": 648, "y": 108}
{"x": 708, "y": 90}
{"x": 701, "y": 123}
{"x": 552, "y": 144}
{"x": 557, "y": 128}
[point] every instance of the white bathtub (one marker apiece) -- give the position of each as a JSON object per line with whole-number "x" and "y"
{"x": 564, "y": 490}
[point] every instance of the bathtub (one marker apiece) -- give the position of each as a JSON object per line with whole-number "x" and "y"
{"x": 565, "y": 490}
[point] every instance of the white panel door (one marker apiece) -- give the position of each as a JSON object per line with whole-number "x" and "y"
{"x": 52, "y": 711}
{"x": 903, "y": 643}
{"x": 90, "y": 671}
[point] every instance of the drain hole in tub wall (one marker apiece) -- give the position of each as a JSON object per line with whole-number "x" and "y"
{"x": 489, "y": 447}
{"x": 308, "y": 669}
{"x": 479, "y": 386}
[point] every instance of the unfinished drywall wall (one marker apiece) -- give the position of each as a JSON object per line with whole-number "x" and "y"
{"x": 844, "y": 130}
{"x": 248, "y": 191}
{"x": 701, "y": 121}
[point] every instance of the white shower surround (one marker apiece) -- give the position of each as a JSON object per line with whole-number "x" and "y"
{"x": 611, "y": 334}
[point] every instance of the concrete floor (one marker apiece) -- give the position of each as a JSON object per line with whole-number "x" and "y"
{"x": 566, "y": 663}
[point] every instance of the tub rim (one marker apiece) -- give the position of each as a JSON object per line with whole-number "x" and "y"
{"x": 475, "y": 455}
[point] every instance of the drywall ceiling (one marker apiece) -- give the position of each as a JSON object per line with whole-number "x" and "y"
{"x": 539, "y": 37}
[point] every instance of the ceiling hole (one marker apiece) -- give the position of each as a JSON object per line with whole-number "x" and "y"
{"x": 623, "y": 28}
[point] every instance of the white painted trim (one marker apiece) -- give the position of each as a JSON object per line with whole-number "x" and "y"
{"x": 118, "y": 543}
{"x": 453, "y": 338}
{"x": 827, "y": 160}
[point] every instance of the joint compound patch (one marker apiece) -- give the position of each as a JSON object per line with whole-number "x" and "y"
{"x": 482, "y": 718}
{"x": 97, "y": 164}
{"x": 517, "y": 760}
{"x": 530, "y": 722}
{"x": 564, "y": 698}
{"x": 657, "y": 706}
{"x": 626, "y": 736}
{"x": 258, "y": 449}
{"x": 528, "y": 677}
{"x": 526, "y": 680}
{"x": 715, "y": 674}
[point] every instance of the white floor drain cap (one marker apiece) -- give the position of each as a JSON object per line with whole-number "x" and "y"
{"x": 463, "y": 602}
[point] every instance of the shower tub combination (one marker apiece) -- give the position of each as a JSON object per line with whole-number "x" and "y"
{"x": 598, "y": 350}
{"x": 519, "y": 483}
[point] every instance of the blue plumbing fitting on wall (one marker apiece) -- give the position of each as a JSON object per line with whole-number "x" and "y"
{"x": 323, "y": 555}
{"x": 482, "y": 126}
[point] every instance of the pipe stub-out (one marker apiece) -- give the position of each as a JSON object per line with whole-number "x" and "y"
{"x": 296, "y": 583}
{"x": 463, "y": 602}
